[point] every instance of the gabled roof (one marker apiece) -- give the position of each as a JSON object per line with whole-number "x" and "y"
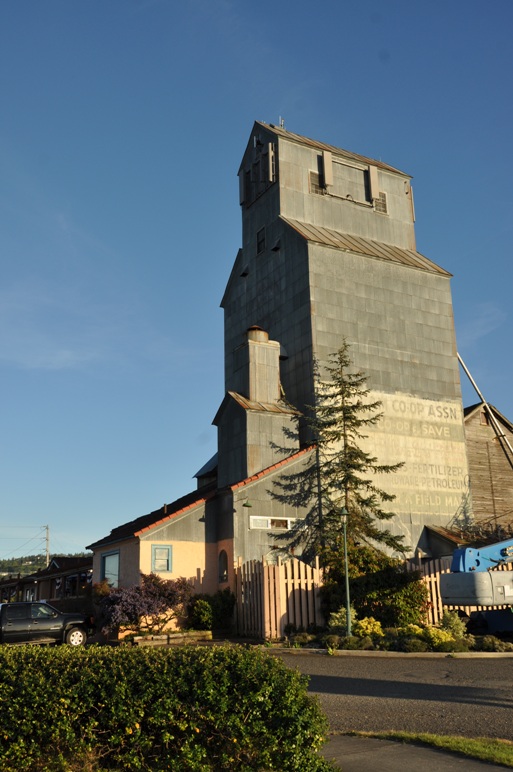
{"x": 61, "y": 564}
{"x": 158, "y": 517}
{"x": 349, "y": 243}
{"x": 209, "y": 467}
{"x": 289, "y": 135}
{"x": 68, "y": 562}
{"x": 472, "y": 409}
{"x": 168, "y": 512}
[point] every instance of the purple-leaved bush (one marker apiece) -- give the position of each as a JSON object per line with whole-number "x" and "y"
{"x": 147, "y": 607}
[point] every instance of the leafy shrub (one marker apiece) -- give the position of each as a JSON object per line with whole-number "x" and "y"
{"x": 302, "y": 639}
{"x": 457, "y": 644}
{"x": 186, "y": 709}
{"x": 380, "y": 587}
{"x": 332, "y": 642}
{"x": 221, "y": 604}
{"x": 365, "y": 643}
{"x": 290, "y": 629}
{"x": 452, "y": 623}
{"x": 411, "y": 644}
{"x": 491, "y": 643}
{"x": 413, "y": 638}
{"x": 486, "y": 643}
{"x": 412, "y": 630}
{"x": 350, "y": 642}
{"x": 147, "y": 607}
{"x": 337, "y": 623}
{"x": 200, "y": 615}
{"x": 368, "y": 626}
{"x": 438, "y": 639}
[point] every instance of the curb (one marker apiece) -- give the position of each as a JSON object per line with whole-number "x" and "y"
{"x": 392, "y": 654}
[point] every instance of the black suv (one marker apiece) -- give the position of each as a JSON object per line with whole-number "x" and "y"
{"x": 38, "y": 622}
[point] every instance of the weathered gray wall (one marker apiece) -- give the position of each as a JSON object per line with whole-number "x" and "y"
{"x": 252, "y": 542}
{"x": 397, "y": 319}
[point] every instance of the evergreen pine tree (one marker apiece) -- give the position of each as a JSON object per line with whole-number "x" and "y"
{"x": 339, "y": 472}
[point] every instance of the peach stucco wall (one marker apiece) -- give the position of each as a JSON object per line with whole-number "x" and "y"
{"x": 193, "y": 560}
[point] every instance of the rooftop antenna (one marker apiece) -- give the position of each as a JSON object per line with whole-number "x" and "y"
{"x": 282, "y": 122}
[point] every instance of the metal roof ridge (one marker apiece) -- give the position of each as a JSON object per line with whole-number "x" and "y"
{"x": 350, "y": 242}
{"x": 300, "y": 138}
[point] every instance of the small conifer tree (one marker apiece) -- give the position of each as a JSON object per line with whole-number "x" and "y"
{"x": 339, "y": 472}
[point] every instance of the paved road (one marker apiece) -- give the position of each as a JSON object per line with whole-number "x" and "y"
{"x": 468, "y": 697}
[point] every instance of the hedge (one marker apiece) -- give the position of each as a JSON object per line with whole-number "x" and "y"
{"x": 192, "y": 708}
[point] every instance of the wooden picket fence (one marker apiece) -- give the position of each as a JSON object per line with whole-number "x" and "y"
{"x": 272, "y": 596}
{"x": 431, "y": 571}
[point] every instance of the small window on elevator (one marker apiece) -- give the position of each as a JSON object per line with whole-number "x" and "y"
{"x": 260, "y": 241}
{"x": 380, "y": 203}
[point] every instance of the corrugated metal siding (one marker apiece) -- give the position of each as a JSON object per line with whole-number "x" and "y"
{"x": 325, "y": 147}
{"x": 491, "y": 473}
{"x": 363, "y": 246}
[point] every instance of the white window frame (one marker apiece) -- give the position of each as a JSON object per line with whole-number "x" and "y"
{"x": 267, "y": 523}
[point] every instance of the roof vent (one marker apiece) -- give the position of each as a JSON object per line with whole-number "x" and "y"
{"x": 256, "y": 333}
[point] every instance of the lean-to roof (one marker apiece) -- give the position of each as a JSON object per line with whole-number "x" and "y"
{"x": 349, "y": 243}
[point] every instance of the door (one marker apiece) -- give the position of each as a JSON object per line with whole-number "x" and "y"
{"x": 15, "y": 622}
{"x": 45, "y": 623}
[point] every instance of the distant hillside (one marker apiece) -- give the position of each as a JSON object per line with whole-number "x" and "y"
{"x": 28, "y": 564}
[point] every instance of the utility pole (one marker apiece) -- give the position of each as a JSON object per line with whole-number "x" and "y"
{"x": 47, "y": 545}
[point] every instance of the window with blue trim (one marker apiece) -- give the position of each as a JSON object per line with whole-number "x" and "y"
{"x": 161, "y": 558}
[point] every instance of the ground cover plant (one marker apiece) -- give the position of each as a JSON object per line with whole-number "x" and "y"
{"x": 132, "y": 708}
{"x": 368, "y": 634}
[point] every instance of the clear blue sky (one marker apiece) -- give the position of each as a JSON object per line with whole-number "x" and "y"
{"x": 122, "y": 125}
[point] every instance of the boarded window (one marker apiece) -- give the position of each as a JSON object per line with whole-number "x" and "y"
{"x": 380, "y": 203}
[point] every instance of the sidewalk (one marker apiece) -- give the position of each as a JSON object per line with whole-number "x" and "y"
{"x": 360, "y": 754}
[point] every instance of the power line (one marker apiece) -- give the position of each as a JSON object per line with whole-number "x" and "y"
{"x": 42, "y": 536}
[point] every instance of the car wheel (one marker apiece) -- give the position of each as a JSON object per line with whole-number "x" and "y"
{"x": 76, "y": 637}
